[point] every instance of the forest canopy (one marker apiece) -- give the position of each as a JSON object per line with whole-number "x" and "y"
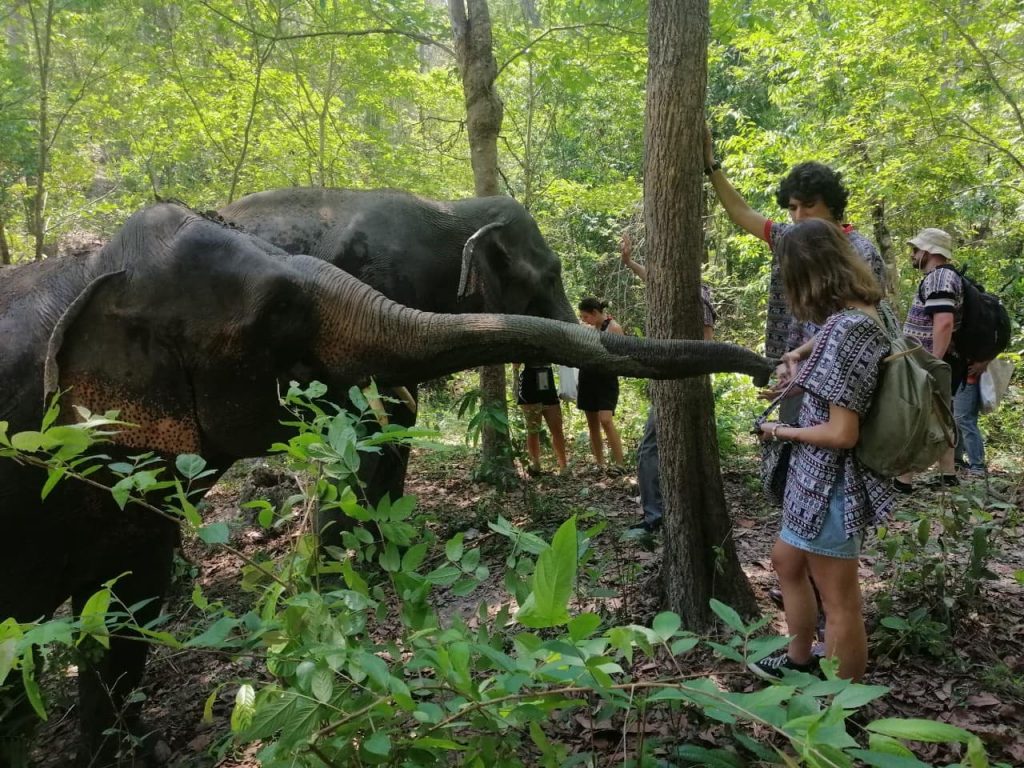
{"x": 106, "y": 105}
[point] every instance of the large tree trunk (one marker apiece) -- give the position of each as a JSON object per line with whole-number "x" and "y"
{"x": 471, "y": 30}
{"x": 700, "y": 558}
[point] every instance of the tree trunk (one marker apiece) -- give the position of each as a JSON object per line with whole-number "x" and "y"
{"x": 700, "y": 559}
{"x": 471, "y": 31}
{"x": 5, "y": 251}
{"x": 884, "y": 239}
{"x": 42, "y": 31}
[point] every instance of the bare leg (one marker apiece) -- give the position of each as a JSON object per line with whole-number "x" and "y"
{"x": 614, "y": 441}
{"x": 531, "y": 414}
{"x": 553, "y": 417}
{"x": 845, "y": 637}
{"x": 946, "y": 463}
{"x": 799, "y": 603}
{"x": 594, "y": 428}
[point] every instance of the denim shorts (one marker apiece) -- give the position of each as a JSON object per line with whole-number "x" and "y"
{"x": 832, "y": 540}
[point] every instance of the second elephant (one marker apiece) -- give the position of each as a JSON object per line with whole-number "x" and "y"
{"x": 481, "y": 254}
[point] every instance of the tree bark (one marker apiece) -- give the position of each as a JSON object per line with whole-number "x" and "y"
{"x": 700, "y": 559}
{"x": 884, "y": 239}
{"x": 471, "y": 32}
{"x": 5, "y": 251}
{"x": 42, "y": 32}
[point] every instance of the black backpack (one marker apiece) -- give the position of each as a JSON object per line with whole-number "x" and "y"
{"x": 985, "y": 324}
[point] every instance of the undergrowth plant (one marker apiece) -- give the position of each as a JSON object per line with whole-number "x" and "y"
{"x": 938, "y": 561}
{"x": 358, "y": 664}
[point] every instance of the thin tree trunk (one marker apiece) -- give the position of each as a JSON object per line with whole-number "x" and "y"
{"x": 884, "y": 239}
{"x": 5, "y": 251}
{"x": 700, "y": 559}
{"x": 471, "y": 31}
{"x": 42, "y": 31}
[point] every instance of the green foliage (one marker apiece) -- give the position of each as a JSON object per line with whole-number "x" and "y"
{"x": 937, "y": 559}
{"x": 360, "y": 666}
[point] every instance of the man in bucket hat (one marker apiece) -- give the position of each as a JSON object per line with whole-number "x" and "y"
{"x": 935, "y": 313}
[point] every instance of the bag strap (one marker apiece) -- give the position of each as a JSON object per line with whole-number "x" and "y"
{"x": 912, "y": 344}
{"x": 778, "y": 399}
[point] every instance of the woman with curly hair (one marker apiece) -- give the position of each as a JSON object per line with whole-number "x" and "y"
{"x": 830, "y": 498}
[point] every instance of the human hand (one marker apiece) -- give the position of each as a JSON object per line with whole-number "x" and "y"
{"x": 767, "y": 428}
{"x": 709, "y": 147}
{"x": 976, "y": 369}
{"x": 626, "y": 249}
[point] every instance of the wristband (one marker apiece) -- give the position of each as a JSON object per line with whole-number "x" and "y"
{"x": 715, "y": 166}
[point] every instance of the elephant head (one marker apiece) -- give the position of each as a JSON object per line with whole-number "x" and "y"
{"x": 479, "y": 254}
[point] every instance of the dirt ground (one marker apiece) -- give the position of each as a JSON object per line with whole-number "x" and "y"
{"x": 977, "y": 683}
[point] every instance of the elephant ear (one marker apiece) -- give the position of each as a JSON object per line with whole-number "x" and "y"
{"x": 105, "y": 353}
{"x": 494, "y": 258}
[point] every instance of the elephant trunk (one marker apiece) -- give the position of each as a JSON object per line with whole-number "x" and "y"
{"x": 362, "y": 333}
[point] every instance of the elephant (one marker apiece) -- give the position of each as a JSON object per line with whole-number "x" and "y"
{"x": 477, "y": 254}
{"x": 190, "y": 329}
{"x": 481, "y": 254}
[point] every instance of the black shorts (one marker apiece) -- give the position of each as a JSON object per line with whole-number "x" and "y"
{"x": 597, "y": 391}
{"x": 536, "y": 386}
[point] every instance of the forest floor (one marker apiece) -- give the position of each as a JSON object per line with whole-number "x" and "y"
{"x": 972, "y": 677}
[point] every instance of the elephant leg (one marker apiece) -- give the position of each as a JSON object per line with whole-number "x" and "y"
{"x": 18, "y": 722}
{"x": 384, "y": 474}
{"x": 380, "y": 474}
{"x": 110, "y": 721}
{"x": 32, "y": 553}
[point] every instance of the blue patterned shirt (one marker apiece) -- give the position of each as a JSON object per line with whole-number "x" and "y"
{"x": 783, "y": 332}
{"x": 941, "y": 290}
{"x": 843, "y": 369}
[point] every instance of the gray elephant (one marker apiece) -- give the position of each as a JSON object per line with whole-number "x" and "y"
{"x": 189, "y": 328}
{"x": 482, "y": 254}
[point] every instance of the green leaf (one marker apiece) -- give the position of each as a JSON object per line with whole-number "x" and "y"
{"x": 714, "y": 758}
{"x": 729, "y": 616}
{"x": 917, "y": 729}
{"x": 8, "y": 653}
{"x": 378, "y": 745}
{"x": 190, "y": 465}
{"x": 553, "y": 579}
{"x": 859, "y": 695}
{"x": 245, "y": 708}
{"x": 583, "y": 626}
{"x": 414, "y": 556}
{"x": 886, "y": 759}
{"x": 28, "y": 442}
{"x": 215, "y": 533}
{"x": 453, "y": 548}
{"x": 666, "y": 624}
{"x": 94, "y": 618}
{"x": 53, "y": 476}
{"x": 322, "y": 684}
{"x": 28, "y": 680}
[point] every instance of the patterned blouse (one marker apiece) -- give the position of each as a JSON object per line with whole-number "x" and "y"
{"x": 942, "y": 290}
{"x": 842, "y": 369}
{"x": 782, "y": 332}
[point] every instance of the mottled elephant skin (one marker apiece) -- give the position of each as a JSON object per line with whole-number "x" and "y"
{"x": 189, "y": 329}
{"x": 412, "y": 249}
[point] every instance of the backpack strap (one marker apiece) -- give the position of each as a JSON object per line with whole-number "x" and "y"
{"x": 777, "y": 401}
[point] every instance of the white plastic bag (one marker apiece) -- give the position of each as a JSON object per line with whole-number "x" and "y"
{"x": 993, "y": 383}
{"x": 567, "y": 382}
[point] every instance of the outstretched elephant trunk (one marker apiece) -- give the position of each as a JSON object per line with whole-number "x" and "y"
{"x": 363, "y": 333}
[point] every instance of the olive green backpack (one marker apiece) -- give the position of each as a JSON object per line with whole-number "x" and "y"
{"x": 910, "y": 422}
